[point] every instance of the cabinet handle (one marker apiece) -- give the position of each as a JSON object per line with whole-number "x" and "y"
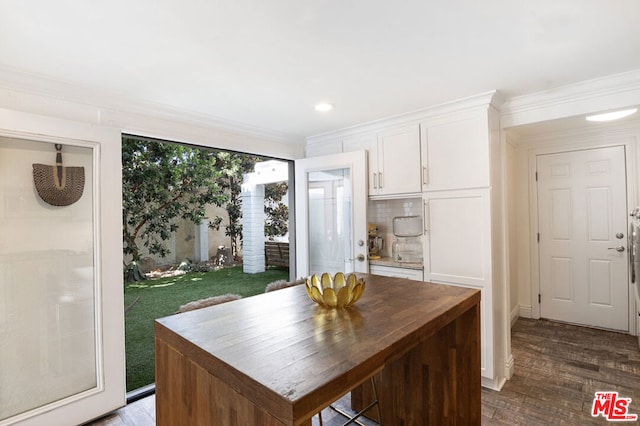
{"x": 380, "y": 180}
{"x": 375, "y": 181}
{"x": 425, "y": 215}
{"x": 425, "y": 176}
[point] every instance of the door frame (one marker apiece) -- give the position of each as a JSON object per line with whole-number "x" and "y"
{"x": 110, "y": 391}
{"x": 590, "y": 142}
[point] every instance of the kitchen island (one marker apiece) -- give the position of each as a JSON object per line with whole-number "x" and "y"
{"x": 278, "y": 358}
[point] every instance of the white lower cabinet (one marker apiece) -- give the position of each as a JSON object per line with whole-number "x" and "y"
{"x": 390, "y": 271}
{"x": 457, "y": 245}
{"x": 486, "y": 336}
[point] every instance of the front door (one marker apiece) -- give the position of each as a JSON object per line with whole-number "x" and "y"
{"x": 331, "y": 214}
{"x": 582, "y": 237}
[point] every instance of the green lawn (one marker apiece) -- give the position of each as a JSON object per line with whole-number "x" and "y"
{"x": 162, "y": 297}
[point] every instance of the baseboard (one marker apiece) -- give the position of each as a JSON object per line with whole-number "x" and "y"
{"x": 509, "y": 367}
{"x": 493, "y": 384}
{"x": 515, "y": 314}
{"x": 525, "y": 311}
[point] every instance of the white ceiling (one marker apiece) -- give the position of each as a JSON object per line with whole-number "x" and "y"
{"x": 266, "y": 63}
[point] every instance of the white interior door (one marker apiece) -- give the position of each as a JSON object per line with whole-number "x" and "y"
{"x": 582, "y": 245}
{"x": 61, "y": 290}
{"x": 331, "y": 214}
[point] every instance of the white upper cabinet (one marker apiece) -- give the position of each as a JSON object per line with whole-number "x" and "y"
{"x": 393, "y": 159}
{"x": 455, "y": 152}
{"x": 399, "y": 161}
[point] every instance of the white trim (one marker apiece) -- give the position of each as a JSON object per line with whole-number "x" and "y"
{"x": 493, "y": 384}
{"x": 533, "y": 241}
{"x": 524, "y": 311}
{"x": 515, "y": 314}
{"x": 501, "y": 281}
{"x": 600, "y": 94}
{"x": 465, "y": 105}
{"x": 553, "y": 138}
{"x": 111, "y": 103}
{"x": 509, "y": 367}
{"x": 153, "y": 126}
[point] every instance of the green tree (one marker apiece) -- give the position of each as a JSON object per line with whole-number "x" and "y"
{"x": 163, "y": 182}
{"x": 232, "y": 167}
{"x": 276, "y": 212}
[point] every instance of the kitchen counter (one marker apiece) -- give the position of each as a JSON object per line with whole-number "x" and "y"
{"x": 277, "y": 358}
{"x": 388, "y": 261}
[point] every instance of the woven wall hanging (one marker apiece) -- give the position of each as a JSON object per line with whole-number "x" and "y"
{"x": 58, "y": 185}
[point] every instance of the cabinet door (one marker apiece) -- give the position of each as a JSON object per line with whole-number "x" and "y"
{"x": 457, "y": 239}
{"x": 390, "y": 271}
{"x": 399, "y": 161}
{"x": 457, "y": 251}
{"x": 455, "y": 154}
{"x": 487, "y": 360}
{"x": 369, "y": 143}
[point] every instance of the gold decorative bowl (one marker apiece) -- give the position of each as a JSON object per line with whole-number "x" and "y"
{"x": 336, "y": 292}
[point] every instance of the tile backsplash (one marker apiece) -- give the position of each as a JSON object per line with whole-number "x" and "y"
{"x": 382, "y": 212}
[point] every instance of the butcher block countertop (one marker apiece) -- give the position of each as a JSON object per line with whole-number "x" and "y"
{"x": 278, "y": 358}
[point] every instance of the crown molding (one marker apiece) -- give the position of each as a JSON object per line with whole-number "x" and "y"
{"x": 490, "y": 99}
{"x": 555, "y": 137}
{"x": 102, "y": 103}
{"x": 600, "y": 94}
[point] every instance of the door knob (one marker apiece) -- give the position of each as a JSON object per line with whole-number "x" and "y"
{"x": 360, "y": 257}
{"x": 618, "y": 249}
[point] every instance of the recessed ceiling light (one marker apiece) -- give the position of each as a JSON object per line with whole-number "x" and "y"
{"x": 609, "y": 116}
{"x": 324, "y": 107}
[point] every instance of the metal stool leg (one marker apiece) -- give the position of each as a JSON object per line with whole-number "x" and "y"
{"x": 353, "y": 419}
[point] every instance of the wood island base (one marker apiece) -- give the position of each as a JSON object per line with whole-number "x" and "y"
{"x": 434, "y": 383}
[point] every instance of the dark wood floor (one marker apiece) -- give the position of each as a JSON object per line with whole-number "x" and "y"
{"x": 558, "y": 368}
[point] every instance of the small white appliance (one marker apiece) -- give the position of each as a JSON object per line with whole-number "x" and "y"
{"x": 407, "y": 247}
